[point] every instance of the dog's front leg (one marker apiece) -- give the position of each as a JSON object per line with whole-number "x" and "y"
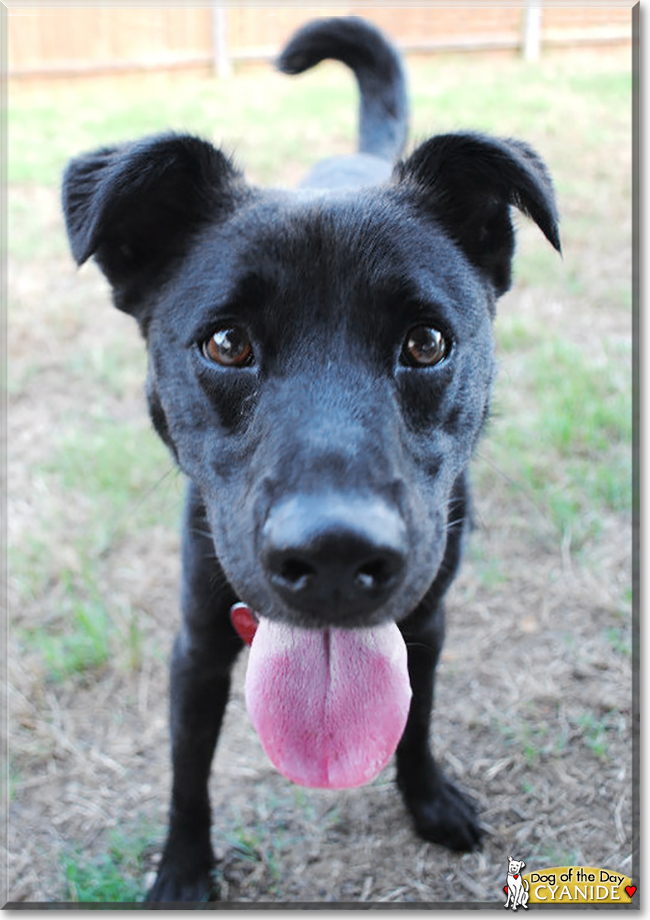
{"x": 204, "y": 651}
{"x": 442, "y": 814}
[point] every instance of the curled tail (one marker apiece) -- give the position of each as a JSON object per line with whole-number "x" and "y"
{"x": 383, "y": 110}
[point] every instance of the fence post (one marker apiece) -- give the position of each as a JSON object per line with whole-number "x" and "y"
{"x": 532, "y": 29}
{"x": 221, "y": 63}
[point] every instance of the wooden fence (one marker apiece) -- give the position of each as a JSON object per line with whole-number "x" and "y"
{"x": 76, "y": 41}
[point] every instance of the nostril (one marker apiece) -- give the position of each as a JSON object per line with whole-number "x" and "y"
{"x": 296, "y": 573}
{"x": 374, "y": 574}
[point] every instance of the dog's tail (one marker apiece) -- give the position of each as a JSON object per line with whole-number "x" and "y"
{"x": 383, "y": 111}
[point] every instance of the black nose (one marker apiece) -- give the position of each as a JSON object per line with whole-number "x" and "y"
{"x": 332, "y": 557}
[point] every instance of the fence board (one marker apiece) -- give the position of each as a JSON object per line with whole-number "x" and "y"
{"x": 80, "y": 40}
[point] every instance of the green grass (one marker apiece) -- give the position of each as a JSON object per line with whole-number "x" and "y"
{"x": 116, "y": 462}
{"x": 262, "y": 844}
{"x": 84, "y": 631}
{"x": 562, "y": 426}
{"x": 294, "y": 117}
{"x": 584, "y": 412}
{"x": 118, "y": 471}
{"x": 536, "y": 736}
{"x": 489, "y": 567}
{"x": 115, "y": 476}
{"x": 84, "y": 646}
{"x": 539, "y": 735}
{"x": 594, "y": 733}
{"x": 118, "y": 477}
{"x": 112, "y": 877}
{"x": 619, "y": 639}
{"x": 110, "y": 365}
{"x": 35, "y": 227}
{"x": 239, "y": 117}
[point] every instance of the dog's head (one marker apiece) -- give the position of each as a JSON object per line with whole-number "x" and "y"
{"x": 515, "y": 866}
{"x": 320, "y": 364}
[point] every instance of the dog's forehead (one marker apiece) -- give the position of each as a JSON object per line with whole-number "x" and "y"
{"x": 324, "y": 224}
{"x": 361, "y": 240}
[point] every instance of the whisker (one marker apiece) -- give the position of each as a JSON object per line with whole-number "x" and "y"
{"x": 149, "y": 491}
{"x": 201, "y": 533}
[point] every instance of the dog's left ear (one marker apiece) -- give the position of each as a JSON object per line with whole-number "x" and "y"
{"x": 468, "y": 182}
{"x": 135, "y": 208}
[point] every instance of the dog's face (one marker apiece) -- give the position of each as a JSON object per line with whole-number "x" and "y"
{"x": 329, "y": 397}
{"x": 515, "y": 866}
{"x": 319, "y": 364}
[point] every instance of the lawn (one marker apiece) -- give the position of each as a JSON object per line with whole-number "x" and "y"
{"x": 534, "y": 711}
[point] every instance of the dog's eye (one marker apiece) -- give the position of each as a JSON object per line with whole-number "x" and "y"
{"x": 424, "y": 346}
{"x": 229, "y": 347}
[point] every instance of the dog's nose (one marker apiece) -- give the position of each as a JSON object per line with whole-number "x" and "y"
{"x": 332, "y": 557}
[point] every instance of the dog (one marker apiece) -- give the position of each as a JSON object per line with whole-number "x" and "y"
{"x": 517, "y": 887}
{"x": 320, "y": 362}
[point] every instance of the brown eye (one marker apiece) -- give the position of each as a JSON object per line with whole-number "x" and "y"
{"x": 229, "y": 347}
{"x": 424, "y": 347}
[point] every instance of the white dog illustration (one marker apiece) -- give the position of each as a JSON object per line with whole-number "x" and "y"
{"x": 517, "y": 886}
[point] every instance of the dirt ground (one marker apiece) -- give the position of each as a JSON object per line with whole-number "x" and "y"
{"x": 534, "y": 701}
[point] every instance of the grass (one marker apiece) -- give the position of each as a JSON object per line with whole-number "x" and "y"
{"x": 294, "y": 116}
{"x": 84, "y": 632}
{"x": 619, "y": 639}
{"x": 84, "y": 646}
{"x": 119, "y": 475}
{"x": 572, "y": 404}
{"x": 490, "y": 567}
{"x": 117, "y": 463}
{"x": 540, "y": 735}
{"x": 114, "y": 876}
{"x": 594, "y": 732}
{"x": 101, "y": 481}
{"x": 548, "y": 856}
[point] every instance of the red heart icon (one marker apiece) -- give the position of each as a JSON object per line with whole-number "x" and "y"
{"x": 515, "y": 876}
{"x": 630, "y": 890}
{"x": 244, "y": 621}
{"x": 505, "y": 888}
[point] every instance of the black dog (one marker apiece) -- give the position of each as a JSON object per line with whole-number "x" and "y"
{"x": 320, "y": 366}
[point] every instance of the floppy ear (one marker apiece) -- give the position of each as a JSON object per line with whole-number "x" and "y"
{"x": 135, "y": 206}
{"x": 469, "y": 181}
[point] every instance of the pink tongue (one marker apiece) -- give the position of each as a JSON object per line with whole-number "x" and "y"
{"x": 329, "y": 706}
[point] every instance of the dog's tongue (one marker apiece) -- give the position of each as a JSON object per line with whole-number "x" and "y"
{"x": 330, "y": 705}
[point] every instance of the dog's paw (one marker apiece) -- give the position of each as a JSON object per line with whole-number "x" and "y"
{"x": 447, "y": 817}
{"x": 183, "y": 882}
